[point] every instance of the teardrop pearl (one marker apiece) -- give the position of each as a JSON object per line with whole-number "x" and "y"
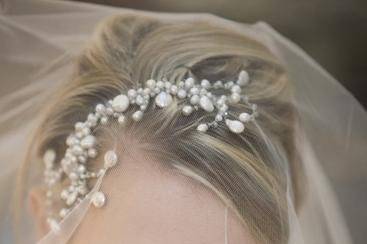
{"x": 163, "y": 99}
{"x": 120, "y": 103}
{"x": 206, "y": 104}
{"x": 235, "y": 126}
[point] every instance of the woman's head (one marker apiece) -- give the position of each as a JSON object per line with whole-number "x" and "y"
{"x": 235, "y": 170}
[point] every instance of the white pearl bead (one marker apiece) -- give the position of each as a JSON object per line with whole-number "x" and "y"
{"x": 138, "y": 115}
{"x": 79, "y": 134}
{"x": 160, "y": 84}
{"x": 109, "y": 111}
{"x": 81, "y": 169}
{"x": 223, "y": 108}
{"x": 244, "y": 117}
{"x": 64, "y": 194}
{"x": 77, "y": 150}
{"x": 236, "y": 89}
{"x": 167, "y": 85}
{"x": 85, "y": 131}
{"x": 205, "y": 84}
{"x": 73, "y": 176}
{"x": 72, "y": 140}
{"x": 194, "y": 99}
{"x": 206, "y": 104}
{"x": 235, "y": 126}
{"x": 88, "y": 141}
{"x": 83, "y": 190}
{"x": 163, "y": 99}
{"x": 202, "y": 127}
{"x": 181, "y": 93}
{"x": 68, "y": 166}
{"x": 63, "y": 212}
{"x": 194, "y": 91}
{"x": 229, "y": 84}
{"x": 71, "y": 198}
{"x": 131, "y": 93}
{"x": 143, "y": 107}
{"x": 92, "y": 152}
{"x": 203, "y": 92}
{"x": 104, "y": 120}
{"x": 140, "y": 100}
{"x": 82, "y": 159}
{"x": 187, "y": 109}
{"x": 92, "y": 119}
{"x": 121, "y": 119}
{"x": 189, "y": 82}
{"x": 100, "y": 108}
{"x": 218, "y": 117}
{"x": 150, "y": 83}
{"x": 174, "y": 89}
{"x": 235, "y": 98}
{"x": 120, "y": 103}
{"x": 73, "y": 159}
{"x": 218, "y": 84}
{"x": 110, "y": 159}
{"x": 98, "y": 199}
{"x": 49, "y": 157}
{"x": 243, "y": 78}
{"x": 156, "y": 90}
{"x": 79, "y": 126}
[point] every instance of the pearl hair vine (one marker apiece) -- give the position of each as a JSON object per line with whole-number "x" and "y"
{"x": 81, "y": 144}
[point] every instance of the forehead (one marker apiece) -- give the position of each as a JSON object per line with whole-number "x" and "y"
{"x": 148, "y": 203}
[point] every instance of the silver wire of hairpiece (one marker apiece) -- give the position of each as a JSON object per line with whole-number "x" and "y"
{"x": 81, "y": 143}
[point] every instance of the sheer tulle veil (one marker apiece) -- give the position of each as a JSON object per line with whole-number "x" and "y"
{"x": 38, "y": 40}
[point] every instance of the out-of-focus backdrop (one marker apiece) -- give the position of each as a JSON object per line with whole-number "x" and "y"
{"x": 333, "y": 32}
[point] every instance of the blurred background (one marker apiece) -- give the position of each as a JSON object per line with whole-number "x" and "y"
{"x": 333, "y": 32}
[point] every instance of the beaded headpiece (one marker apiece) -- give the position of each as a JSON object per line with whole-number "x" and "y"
{"x": 81, "y": 143}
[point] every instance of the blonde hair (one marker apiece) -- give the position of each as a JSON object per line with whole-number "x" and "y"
{"x": 128, "y": 50}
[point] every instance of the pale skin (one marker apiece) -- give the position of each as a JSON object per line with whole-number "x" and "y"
{"x": 149, "y": 204}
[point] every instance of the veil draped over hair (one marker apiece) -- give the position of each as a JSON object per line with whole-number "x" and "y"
{"x": 39, "y": 38}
